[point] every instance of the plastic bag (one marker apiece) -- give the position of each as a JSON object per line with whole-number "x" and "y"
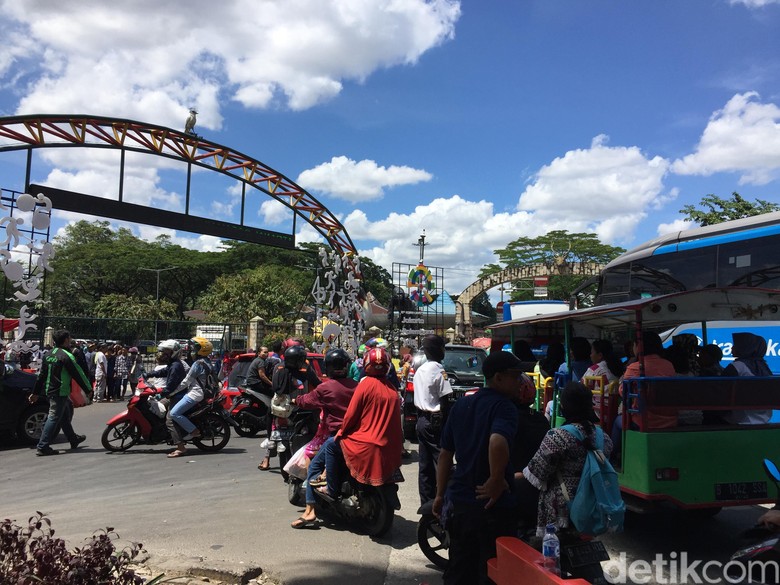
{"x": 77, "y": 396}
{"x": 298, "y": 465}
{"x": 157, "y": 408}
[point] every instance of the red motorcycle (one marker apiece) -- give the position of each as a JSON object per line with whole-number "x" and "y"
{"x": 143, "y": 422}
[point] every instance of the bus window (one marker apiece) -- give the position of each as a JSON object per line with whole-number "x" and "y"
{"x": 750, "y": 263}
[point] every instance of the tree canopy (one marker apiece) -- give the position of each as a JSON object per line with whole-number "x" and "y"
{"x": 98, "y": 271}
{"x": 549, "y": 249}
{"x": 717, "y": 210}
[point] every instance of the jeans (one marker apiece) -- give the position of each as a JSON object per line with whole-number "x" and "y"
{"x": 334, "y": 464}
{"x": 315, "y": 469}
{"x": 176, "y": 415}
{"x": 60, "y": 416}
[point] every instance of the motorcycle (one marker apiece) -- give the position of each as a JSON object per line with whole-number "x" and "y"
{"x": 250, "y": 410}
{"x": 371, "y": 509}
{"x": 144, "y": 422}
{"x": 761, "y": 559}
{"x": 293, "y": 433}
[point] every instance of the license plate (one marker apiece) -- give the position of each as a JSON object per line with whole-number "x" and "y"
{"x": 585, "y": 553}
{"x": 285, "y": 435}
{"x": 743, "y": 490}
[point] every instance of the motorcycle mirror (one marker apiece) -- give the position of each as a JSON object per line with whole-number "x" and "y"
{"x": 771, "y": 470}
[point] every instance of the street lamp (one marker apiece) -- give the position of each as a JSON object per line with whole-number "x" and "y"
{"x": 157, "y": 299}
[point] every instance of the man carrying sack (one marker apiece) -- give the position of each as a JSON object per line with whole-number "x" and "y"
{"x": 54, "y": 381}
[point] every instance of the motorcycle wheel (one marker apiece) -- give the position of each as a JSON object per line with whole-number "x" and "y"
{"x": 120, "y": 436}
{"x": 295, "y": 492}
{"x": 379, "y": 513}
{"x": 246, "y": 428}
{"x": 214, "y": 433}
{"x": 433, "y": 540}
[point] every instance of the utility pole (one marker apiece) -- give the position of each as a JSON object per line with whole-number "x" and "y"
{"x": 421, "y": 244}
{"x": 157, "y": 299}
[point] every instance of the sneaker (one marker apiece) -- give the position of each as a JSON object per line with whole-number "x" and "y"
{"x": 46, "y": 451}
{"x": 74, "y": 444}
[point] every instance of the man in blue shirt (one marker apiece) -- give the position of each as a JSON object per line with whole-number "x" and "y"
{"x": 479, "y": 432}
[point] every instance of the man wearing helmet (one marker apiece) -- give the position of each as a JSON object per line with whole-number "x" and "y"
{"x": 291, "y": 377}
{"x": 369, "y": 441}
{"x": 195, "y": 385}
{"x": 332, "y": 397}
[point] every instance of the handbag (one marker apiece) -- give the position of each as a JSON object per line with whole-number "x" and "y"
{"x": 281, "y": 406}
{"x": 77, "y": 396}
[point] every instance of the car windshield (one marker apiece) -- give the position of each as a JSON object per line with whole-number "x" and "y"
{"x": 464, "y": 361}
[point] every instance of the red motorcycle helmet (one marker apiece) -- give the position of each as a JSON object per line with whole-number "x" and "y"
{"x": 376, "y": 362}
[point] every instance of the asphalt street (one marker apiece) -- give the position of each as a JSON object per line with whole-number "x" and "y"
{"x": 209, "y": 508}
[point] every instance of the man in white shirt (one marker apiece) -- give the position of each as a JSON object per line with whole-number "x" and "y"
{"x": 101, "y": 373}
{"x": 430, "y": 386}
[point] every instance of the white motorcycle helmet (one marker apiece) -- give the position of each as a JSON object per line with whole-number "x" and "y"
{"x": 172, "y": 345}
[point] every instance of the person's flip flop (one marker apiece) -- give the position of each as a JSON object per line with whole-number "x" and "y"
{"x": 264, "y": 465}
{"x": 302, "y": 522}
{"x": 176, "y": 453}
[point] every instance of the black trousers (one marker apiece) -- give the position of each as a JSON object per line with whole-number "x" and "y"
{"x": 473, "y": 532}
{"x": 428, "y": 437}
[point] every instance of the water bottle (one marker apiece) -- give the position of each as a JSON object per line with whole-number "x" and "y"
{"x": 551, "y": 550}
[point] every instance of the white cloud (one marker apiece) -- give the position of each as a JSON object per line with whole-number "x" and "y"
{"x": 743, "y": 137}
{"x": 274, "y": 212}
{"x": 358, "y": 181}
{"x": 678, "y": 225}
{"x": 151, "y": 60}
{"x": 603, "y": 189}
{"x": 755, "y": 3}
{"x": 452, "y": 241}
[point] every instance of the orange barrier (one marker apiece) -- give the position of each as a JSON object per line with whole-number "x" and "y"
{"x": 516, "y": 563}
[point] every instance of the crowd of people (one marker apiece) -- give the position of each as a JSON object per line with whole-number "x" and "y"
{"x": 512, "y": 469}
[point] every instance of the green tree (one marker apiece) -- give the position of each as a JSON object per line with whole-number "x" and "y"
{"x": 267, "y": 292}
{"x": 717, "y": 210}
{"x": 552, "y": 249}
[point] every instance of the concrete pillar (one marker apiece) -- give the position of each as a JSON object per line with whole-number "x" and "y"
{"x": 48, "y": 336}
{"x": 301, "y": 327}
{"x": 256, "y": 332}
{"x": 450, "y": 333}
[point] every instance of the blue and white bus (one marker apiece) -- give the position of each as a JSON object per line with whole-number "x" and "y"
{"x": 744, "y": 252}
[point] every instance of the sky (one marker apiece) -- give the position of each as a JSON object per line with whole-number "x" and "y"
{"x": 478, "y": 121}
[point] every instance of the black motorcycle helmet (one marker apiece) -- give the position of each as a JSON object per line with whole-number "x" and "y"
{"x": 337, "y": 363}
{"x": 295, "y": 357}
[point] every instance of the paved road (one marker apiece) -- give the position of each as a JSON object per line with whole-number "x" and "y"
{"x": 219, "y": 508}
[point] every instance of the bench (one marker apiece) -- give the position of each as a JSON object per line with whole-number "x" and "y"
{"x": 668, "y": 396}
{"x": 517, "y": 563}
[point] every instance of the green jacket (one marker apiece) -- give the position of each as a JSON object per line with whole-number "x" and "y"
{"x": 57, "y": 371}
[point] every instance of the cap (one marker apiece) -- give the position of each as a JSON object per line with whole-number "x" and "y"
{"x": 133, "y": 350}
{"x": 500, "y": 361}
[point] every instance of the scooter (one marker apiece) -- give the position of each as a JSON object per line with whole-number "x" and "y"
{"x": 760, "y": 562}
{"x": 144, "y": 422}
{"x": 250, "y": 410}
{"x": 370, "y": 509}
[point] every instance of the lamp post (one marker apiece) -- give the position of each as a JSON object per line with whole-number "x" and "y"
{"x": 157, "y": 299}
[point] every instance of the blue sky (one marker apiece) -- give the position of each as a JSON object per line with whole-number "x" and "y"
{"x": 479, "y": 121}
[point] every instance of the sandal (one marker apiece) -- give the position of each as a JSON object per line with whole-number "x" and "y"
{"x": 176, "y": 453}
{"x": 318, "y": 482}
{"x": 265, "y": 464}
{"x": 304, "y": 523}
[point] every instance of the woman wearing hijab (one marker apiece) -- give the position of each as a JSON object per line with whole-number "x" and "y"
{"x": 749, "y": 350}
{"x": 561, "y": 457}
